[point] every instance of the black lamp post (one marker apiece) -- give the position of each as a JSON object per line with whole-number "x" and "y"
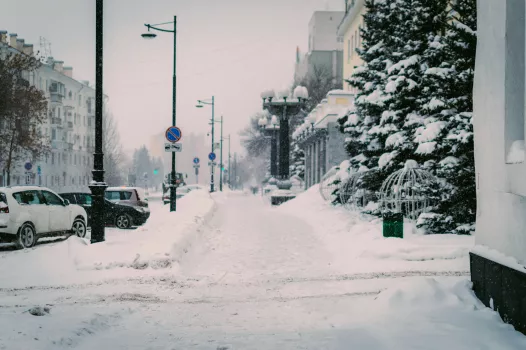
{"x": 200, "y": 104}
{"x": 98, "y": 186}
{"x": 149, "y": 35}
{"x": 284, "y": 107}
{"x": 271, "y": 129}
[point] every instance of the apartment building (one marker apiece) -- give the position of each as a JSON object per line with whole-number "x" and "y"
{"x": 70, "y": 125}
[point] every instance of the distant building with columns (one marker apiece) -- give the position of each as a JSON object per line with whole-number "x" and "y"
{"x": 320, "y": 137}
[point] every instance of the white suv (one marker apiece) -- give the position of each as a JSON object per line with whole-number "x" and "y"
{"x": 30, "y": 212}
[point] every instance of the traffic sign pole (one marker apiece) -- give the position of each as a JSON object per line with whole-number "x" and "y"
{"x": 212, "y": 168}
{"x": 173, "y": 134}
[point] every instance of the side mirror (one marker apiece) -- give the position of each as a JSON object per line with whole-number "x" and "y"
{"x": 66, "y": 202}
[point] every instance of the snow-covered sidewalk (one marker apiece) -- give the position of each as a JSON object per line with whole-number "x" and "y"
{"x": 357, "y": 246}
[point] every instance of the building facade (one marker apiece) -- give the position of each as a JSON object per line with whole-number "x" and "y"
{"x": 70, "y": 125}
{"x": 498, "y": 262}
{"x": 350, "y": 30}
{"x": 320, "y": 136}
{"x": 325, "y": 47}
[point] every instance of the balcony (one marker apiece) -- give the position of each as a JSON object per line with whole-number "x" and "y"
{"x": 55, "y": 98}
{"x": 55, "y": 144}
{"x": 56, "y": 121}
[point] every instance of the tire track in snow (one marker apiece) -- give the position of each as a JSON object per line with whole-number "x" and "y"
{"x": 379, "y": 275}
{"x": 180, "y": 283}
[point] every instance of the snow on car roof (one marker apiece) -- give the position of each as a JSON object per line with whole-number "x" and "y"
{"x": 23, "y": 188}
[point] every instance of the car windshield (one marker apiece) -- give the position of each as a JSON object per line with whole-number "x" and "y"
{"x": 118, "y": 195}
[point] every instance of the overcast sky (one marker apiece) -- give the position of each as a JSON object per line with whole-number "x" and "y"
{"x": 232, "y": 49}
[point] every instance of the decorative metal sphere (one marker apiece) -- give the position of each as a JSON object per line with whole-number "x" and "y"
{"x": 352, "y": 196}
{"x": 401, "y": 191}
{"x": 329, "y": 183}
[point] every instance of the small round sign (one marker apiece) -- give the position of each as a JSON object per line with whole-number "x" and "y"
{"x": 196, "y": 160}
{"x": 28, "y": 166}
{"x": 173, "y": 134}
{"x": 212, "y": 156}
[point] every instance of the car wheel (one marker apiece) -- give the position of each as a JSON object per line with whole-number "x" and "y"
{"x": 26, "y": 237}
{"x": 79, "y": 228}
{"x": 123, "y": 221}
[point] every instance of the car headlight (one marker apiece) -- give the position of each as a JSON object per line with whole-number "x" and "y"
{"x": 139, "y": 209}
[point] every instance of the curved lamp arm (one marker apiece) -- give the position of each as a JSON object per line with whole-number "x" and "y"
{"x": 149, "y": 26}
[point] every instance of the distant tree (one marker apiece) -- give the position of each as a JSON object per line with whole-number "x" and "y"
{"x": 112, "y": 149}
{"x": 142, "y": 165}
{"x": 23, "y": 110}
{"x": 319, "y": 82}
{"x": 254, "y": 139}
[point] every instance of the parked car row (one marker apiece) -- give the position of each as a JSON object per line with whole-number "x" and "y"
{"x": 28, "y": 213}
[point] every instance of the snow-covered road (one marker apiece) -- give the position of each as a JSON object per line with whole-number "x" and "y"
{"x": 257, "y": 277}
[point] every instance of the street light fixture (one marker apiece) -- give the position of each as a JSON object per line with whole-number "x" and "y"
{"x": 200, "y": 104}
{"x": 149, "y": 36}
{"x": 283, "y": 106}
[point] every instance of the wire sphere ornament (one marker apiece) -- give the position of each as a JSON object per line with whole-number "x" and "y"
{"x": 352, "y": 196}
{"x": 330, "y": 183}
{"x": 401, "y": 191}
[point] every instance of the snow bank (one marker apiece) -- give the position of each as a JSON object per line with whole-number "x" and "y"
{"x": 426, "y": 313}
{"x": 428, "y": 293}
{"x": 498, "y": 257}
{"x": 517, "y": 152}
{"x": 357, "y": 244}
{"x": 157, "y": 245}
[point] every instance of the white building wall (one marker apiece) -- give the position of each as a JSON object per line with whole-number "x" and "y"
{"x": 498, "y": 121}
{"x": 323, "y": 28}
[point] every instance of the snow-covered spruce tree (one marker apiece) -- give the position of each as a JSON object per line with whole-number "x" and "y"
{"x": 364, "y": 147}
{"x": 446, "y": 139}
{"x": 415, "y": 21}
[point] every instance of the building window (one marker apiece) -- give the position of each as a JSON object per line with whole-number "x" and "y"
{"x": 515, "y": 89}
{"x": 348, "y": 51}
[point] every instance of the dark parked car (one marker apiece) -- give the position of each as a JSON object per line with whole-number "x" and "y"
{"x": 119, "y": 215}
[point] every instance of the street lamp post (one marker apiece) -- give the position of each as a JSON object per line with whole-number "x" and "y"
{"x": 221, "y": 159}
{"x": 284, "y": 106}
{"x": 229, "y": 170}
{"x": 272, "y": 130}
{"x": 98, "y": 186}
{"x": 149, "y": 35}
{"x": 200, "y": 104}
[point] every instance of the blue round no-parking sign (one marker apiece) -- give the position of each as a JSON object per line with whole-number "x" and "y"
{"x": 173, "y": 134}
